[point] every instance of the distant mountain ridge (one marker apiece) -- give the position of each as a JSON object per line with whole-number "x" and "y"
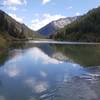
{"x": 52, "y": 27}
{"x": 63, "y": 21}
{"x": 86, "y": 28}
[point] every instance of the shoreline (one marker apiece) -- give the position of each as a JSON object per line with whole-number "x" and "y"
{"x": 57, "y": 42}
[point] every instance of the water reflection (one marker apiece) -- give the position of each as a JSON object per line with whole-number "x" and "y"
{"x": 47, "y": 72}
{"x": 3, "y": 55}
{"x": 85, "y": 55}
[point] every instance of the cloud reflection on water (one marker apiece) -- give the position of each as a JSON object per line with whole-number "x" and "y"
{"x": 34, "y": 72}
{"x": 36, "y": 86}
{"x": 38, "y": 54}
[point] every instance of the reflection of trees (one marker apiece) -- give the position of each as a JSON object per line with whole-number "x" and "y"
{"x": 3, "y": 56}
{"x": 22, "y": 45}
{"x": 86, "y": 55}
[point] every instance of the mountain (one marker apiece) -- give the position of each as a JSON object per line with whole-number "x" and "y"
{"x": 52, "y": 27}
{"x": 10, "y": 30}
{"x": 9, "y": 26}
{"x": 85, "y": 28}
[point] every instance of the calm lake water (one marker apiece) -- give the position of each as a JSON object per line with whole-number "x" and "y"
{"x": 32, "y": 71}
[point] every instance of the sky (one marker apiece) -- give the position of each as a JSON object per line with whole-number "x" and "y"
{"x": 37, "y": 13}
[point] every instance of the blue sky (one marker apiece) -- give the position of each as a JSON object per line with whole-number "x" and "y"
{"x": 38, "y": 13}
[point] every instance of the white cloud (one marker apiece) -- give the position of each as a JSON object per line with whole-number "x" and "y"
{"x": 16, "y": 18}
{"x": 77, "y": 14}
{"x": 44, "y": 20}
{"x": 45, "y": 1}
{"x": 14, "y": 2}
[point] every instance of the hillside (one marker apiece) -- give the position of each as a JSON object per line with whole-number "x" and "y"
{"x": 10, "y": 29}
{"x": 85, "y": 28}
{"x": 52, "y": 27}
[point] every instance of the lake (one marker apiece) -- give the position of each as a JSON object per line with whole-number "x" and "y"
{"x": 43, "y": 71}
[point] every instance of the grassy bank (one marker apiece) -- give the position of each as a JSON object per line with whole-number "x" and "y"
{"x": 5, "y": 40}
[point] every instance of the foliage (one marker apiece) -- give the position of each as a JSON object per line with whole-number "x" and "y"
{"x": 85, "y": 28}
{"x": 15, "y": 29}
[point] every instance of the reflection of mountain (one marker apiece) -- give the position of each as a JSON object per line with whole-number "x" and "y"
{"x": 15, "y": 49}
{"x": 39, "y": 70}
{"x": 44, "y": 47}
{"x": 42, "y": 56}
{"x": 82, "y": 54}
{"x": 52, "y": 27}
{"x": 86, "y": 55}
